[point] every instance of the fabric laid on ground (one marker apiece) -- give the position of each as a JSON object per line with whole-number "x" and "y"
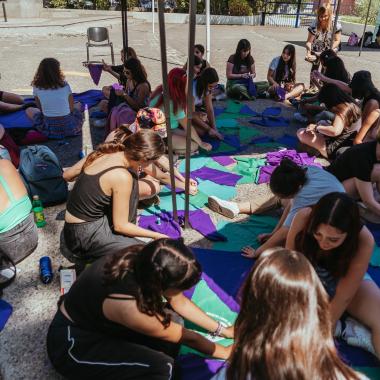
{"x": 195, "y": 163}
{"x": 226, "y": 123}
{"x": 288, "y": 141}
{"x": 375, "y": 258}
{"x": 274, "y": 158}
{"x": 217, "y": 176}
{"x": 211, "y": 188}
{"x": 265, "y": 173}
{"x": 5, "y": 312}
{"x": 164, "y": 223}
{"x": 95, "y": 70}
{"x": 249, "y": 169}
{"x": 20, "y": 120}
{"x": 218, "y": 111}
{"x": 271, "y": 122}
{"x": 224, "y": 160}
{"x": 233, "y": 106}
{"x": 241, "y": 234}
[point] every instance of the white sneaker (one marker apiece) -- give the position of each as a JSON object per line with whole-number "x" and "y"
{"x": 299, "y": 117}
{"x": 357, "y": 335}
{"x": 225, "y": 208}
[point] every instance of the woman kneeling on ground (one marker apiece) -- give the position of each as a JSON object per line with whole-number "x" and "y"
{"x": 332, "y": 237}
{"x": 18, "y": 232}
{"x": 328, "y": 136}
{"x": 158, "y": 172}
{"x": 177, "y": 80}
{"x": 363, "y": 88}
{"x": 282, "y": 75}
{"x": 116, "y": 321}
{"x": 102, "y": 207}
{"x": 293, "y": 312}
{"x": 57, "y": 116}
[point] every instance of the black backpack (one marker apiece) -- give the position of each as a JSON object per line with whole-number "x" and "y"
{"x": 367, "y": 38}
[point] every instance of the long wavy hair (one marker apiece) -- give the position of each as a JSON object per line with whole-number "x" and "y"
{"x": 363, "y": 87}
{"x": 340, "y": 211}
{"x": 280, "y": 71}
{"x": 283, "y": 330}
{"x": 325, "y": 8}
{"x": 238, "y": 61}
{"x": 49, "y": 75}
{"x": 207, "y": 76}
{"x": 137, "y": 70}
{"x": 158, "y": 266}
{"x": 334, "y": 67}
{"x": 341, "y": 103}
{"x": 177, "y": 90}
{"x": 142, "y": 146}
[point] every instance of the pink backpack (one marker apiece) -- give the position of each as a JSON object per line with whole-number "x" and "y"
{"x": 353, "y": 40}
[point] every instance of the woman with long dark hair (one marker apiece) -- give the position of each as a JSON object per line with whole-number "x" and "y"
{"x": 202, "y": 90}
{"x": 328, "y": 136}
{"x": 177, "y": 80}
{"x": 115, "y": 322}
{"x": 361, "y": 87}
{"x": 282, "y": 75}
{"x": 240, "y": 72}
{"x": 332, "y": 237}
{"x": 133, "y": 96}
{"x": 102, "y": 206}
{"x": 57, "y": 116}
{"x": 284, "y": 329}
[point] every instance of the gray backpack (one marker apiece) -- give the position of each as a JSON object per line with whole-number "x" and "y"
{"x": 42, "y": 175}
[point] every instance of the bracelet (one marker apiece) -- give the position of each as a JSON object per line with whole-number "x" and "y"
{"x": 218, "y": 330}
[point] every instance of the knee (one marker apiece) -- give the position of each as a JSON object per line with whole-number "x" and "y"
{"x": 301, "y": 134}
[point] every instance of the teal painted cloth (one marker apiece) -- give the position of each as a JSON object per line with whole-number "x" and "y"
{"x": 249, "y": 168}
{"x": 226, "y": 123}
{"x": 375, "y": 259}
{"x": 195, "y": 163}
{"x": 222, "y": 191}
{"x": 241, "y": 234}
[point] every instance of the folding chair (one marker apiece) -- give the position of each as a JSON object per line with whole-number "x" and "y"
{"x": 95, "y": 37}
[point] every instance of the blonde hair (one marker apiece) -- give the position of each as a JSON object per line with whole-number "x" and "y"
{"x": 325, "y": 8}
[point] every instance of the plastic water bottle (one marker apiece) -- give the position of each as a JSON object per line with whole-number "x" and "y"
{"x": 46, "y": 272}
{"x": 38, "y": 211}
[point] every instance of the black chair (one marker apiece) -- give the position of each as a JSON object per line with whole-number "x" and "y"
{"x": 95, "y": 37}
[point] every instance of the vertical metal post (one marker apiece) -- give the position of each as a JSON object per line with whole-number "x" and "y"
{"x": 189, "y": 110}
{"x": 208, "y": 31}
{"x": 165, "y": 87}
{"x": 297, "y": 25}
{"x": 4, "y": 12}
{"x": 335, "y": 22}
{"x": 364, "y": 29}
{"x": 124, "y": 20}
{"x": 153, "y": 16}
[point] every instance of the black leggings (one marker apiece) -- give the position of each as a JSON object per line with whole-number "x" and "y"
{"x": 82, "y": 354}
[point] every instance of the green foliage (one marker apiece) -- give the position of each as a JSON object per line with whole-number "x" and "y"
{"x": 362, "y": 8}
{"x": 239, "y": 8}
{"x": 133, "y": 4}
{"x": 58, "y": 3}
{"x": 102, "y": 4}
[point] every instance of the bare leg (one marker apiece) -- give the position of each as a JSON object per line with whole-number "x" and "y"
{"x": 31, "y": 111}
{"x": 148, "y": 187}
{"x": 350, "y": 187}
{"x": 297, "y": 90}
{"x": 315, "y": 140}
{"x": 365, "y": 307}
{"x": 179, "y": 143}
{"x": 106, "y": 90}
{"x": 8, "y": 97}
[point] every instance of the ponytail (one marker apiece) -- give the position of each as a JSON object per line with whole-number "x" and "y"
{"x": 105, "y": 148}
{"x": 287, "y": 179}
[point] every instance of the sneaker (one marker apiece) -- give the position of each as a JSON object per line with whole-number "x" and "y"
{"x": 225, "y": 208}
{"x": 357, "y": 335}
{"x": 299, "y": 117}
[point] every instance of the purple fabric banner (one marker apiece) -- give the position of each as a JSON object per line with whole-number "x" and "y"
{"x": 95, "y": 70}
{"x": 217, "y": 176}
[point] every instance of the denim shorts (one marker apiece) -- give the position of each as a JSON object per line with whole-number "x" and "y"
{"x": 20, "y": 241}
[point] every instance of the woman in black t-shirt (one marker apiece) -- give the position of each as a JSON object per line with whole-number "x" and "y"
{"x": 114, "y": 322}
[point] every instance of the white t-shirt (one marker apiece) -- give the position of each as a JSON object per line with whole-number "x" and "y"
{"x": 54, "y": 102}
{"x": 273, "y": 66}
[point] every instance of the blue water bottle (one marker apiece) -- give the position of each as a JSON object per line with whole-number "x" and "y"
{"x": 46, "y": 272}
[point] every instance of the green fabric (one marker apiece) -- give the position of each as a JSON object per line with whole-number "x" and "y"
{"x": 222, "y": 191}
{"x": 249, "y": 168}
{"x": 237, "y": 91}
{"x": 174, "y": 117}
{"x": 167, "y": 205}
{"x": 262, "y": 86}
{"x": 226, "y": 123}
{"x": 198, "y": 201}
{"x": 233, "y": 106}
{"x": 241, "y": 234}
{"x": 223, "y": 116}
{"x": 213, "y": 306}
{"x": 373, "y": 373}
{"x": 375, "y": 258}
{"x": 215, "y": 165}
{"x": 247, "y": 134}
{"x": 195, "y": 163}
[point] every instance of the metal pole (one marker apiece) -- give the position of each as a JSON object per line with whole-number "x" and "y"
{"x": 208, "y": 31}
{"x": 165, "y": 87}
{"x": 365, "y": 27}
{"x": 335, "y": 22}
{"x": 189, "y": 110}
{"x": 297, "y": 25}
{"x": 124, "y": 15}
{"x": 4, "y": 12}
{"x": 153, "y": 16}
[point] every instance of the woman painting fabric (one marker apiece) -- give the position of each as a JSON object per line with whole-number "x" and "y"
{"x": 321, "y": 35}
{"x": 115, "y": 322}
{"x": 339, "y": 247}
{"x": 363, "y": 88}
{"x": 289, "y": 336}
{"x": 328, "y": 136}
{"x": 102, "y": 207}
{"x": 240, "y": 72}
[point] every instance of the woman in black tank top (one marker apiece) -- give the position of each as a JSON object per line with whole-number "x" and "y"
{"x": 114, "y": 322}
{"x": 102, "y": 207}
